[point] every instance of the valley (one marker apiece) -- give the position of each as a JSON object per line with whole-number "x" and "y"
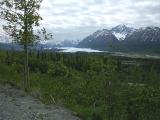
{"x": 79, "y": 60}
{"x": 80, "y": 81}
{"x": 117, "y": 39}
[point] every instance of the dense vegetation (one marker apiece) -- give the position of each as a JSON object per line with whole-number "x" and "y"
{"x": 96, "y": 86}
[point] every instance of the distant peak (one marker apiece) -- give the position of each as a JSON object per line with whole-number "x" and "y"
{"x": 121, "y": 31}
{"x": 121, "y": 27}
{"x": 152, "y": 26}
{"x": 149, "y": 28}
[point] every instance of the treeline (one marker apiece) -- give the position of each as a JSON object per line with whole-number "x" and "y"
{"x": 96, "y": 86}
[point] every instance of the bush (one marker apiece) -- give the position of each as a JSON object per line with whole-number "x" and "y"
{"x": 58, "y": 69}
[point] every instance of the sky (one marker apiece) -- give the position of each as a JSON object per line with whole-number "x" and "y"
{"x": 75, "y": 19}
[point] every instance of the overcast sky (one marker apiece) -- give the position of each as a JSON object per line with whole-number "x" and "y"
{"x": 75, "y": 19}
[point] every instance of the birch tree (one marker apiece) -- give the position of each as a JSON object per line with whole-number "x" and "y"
{"x": 22, "y": 22}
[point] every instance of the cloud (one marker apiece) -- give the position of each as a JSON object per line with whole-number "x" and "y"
{"x": 74, "y": 19}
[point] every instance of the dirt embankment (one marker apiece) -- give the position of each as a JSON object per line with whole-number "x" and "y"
{"x": 15, "y": 105}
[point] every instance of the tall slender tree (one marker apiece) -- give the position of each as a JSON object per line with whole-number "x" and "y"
{"x": 22, "y": 19}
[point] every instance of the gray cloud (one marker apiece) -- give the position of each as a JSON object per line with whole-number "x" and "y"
{"x": 75, "y": 19}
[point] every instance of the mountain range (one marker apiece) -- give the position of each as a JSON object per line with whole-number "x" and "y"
{"x": 120, "y": 39}
{"x": 123, "y": 38}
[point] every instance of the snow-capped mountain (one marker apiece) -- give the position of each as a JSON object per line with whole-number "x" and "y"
{"x": 121, "y": 31}
{"x": 105, "y": 37}
{"x": 68, "y": 43}
{"x": 147, "y": 35}
{"x": 99, "y": 39}
{"x": 124, "y": 38}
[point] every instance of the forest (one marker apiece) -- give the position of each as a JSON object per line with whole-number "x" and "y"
{"x": 97, "y": 86}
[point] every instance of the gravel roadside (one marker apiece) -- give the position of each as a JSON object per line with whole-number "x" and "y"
{"x": 15, "y": 105}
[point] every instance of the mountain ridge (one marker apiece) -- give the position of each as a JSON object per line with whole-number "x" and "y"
{"x": 126, "y": 37}
{"x": 98, "y": 39}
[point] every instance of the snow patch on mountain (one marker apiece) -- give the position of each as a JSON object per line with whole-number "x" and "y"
{"x": 120, "y": 36}
{"x": 121, "y": 31}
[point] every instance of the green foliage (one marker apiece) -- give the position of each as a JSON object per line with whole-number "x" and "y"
{"x": 97, "y": 87}
{"x": 58, "y": 69}
{"x": 22, "y": 18}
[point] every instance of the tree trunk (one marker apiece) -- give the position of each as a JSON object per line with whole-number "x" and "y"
{"x": 26, "y": 83}
{"x": 26, "y": 68}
